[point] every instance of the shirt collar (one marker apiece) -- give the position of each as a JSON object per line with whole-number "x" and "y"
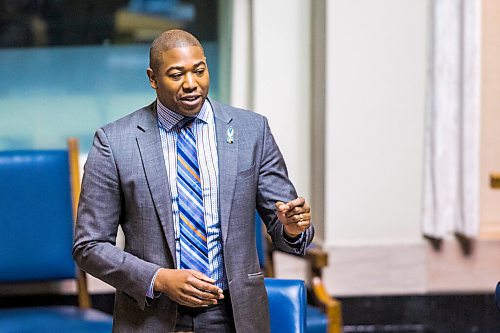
{"x": 168, "y": 119}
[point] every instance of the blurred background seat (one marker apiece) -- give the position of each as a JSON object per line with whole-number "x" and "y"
{"x": 37, "y": 203}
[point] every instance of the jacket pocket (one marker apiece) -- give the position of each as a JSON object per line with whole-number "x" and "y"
{"x": 246, "y": 172}
{"x": 255, "y": 275}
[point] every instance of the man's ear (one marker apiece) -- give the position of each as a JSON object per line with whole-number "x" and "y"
{"x": 152, "y": 78}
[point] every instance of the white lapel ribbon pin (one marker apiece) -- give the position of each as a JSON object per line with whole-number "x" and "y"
{"x": 230, "y": 135}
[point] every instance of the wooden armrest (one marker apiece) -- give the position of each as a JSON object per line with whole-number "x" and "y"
{"x": 317, "y": 259}
{"x": 329, "y": 305}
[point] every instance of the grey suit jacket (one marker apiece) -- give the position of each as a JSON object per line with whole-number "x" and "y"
{"x": 125, "y": 183}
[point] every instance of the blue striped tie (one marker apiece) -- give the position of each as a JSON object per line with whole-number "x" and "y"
{"x": 193, "y": 235}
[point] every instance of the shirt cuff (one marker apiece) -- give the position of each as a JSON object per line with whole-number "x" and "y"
{"x": 150, "y": 293}
{"x": 293, "y": 241}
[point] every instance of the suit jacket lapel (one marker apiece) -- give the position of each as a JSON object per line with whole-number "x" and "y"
{"x": 149, "y": 142}
{"x": 228, "y": 162}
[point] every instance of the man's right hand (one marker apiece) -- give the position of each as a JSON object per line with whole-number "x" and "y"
{"x": 187, "y": 287}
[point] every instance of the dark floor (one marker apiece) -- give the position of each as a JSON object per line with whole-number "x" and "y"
{"x": 429, "y": 314}
{"x": 402, "y": 314}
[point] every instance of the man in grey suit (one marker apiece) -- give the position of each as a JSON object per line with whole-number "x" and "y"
{"x": 183, "y": 177}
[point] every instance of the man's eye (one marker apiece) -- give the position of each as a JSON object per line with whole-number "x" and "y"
{"x": 200, "y": 71}
{"x": 176, "y": 76}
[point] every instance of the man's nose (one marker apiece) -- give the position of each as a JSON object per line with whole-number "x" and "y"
{"x": 189, "y": 82}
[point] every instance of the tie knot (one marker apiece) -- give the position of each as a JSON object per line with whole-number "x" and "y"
{"x": 186, "y": 122}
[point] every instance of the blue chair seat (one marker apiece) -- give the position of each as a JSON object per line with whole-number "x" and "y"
{"x": 316, "y": 321}
{"x": 54, "y": 319}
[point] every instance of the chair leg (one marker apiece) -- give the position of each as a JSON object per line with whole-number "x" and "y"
{"x": 332, "y": 307}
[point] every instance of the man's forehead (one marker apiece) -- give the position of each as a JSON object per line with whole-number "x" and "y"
{"x": 188, "y": 54}
{"x": 192, "y": 51}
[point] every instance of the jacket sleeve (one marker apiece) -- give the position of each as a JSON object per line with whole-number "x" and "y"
{"x": 99, "y": 210}
{"x": 274, "y": 185}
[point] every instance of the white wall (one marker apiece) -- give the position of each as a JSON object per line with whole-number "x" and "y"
{"x": 281, "y": 39}
{"x": 241, "y": 55}
{"x": 375, "y": 88}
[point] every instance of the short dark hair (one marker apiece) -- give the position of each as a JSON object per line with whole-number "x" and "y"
{"x": 168, "y": 40}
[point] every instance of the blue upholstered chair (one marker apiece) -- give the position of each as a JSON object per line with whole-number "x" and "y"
{"x": 324, "y": 314}
{"x": 37, "y": 191}
{"x": 287, "y": 305}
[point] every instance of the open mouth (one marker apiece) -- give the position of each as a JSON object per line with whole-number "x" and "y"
{"x": 190, "y": 98}
{"x": 190, "y": 101}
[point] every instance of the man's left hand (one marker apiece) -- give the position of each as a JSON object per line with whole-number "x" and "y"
{"x": 295, "y": 216}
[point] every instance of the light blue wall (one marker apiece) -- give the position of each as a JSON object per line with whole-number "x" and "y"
{"x": 50, "y": 94}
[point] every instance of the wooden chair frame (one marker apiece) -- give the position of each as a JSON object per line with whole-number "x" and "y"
{"x": 84, "y": 301}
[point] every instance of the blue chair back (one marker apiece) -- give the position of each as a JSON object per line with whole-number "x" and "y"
{"x": 260, "y": 242}
{"x": 287, "y": 305}
{"x": 35, "y": 216}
